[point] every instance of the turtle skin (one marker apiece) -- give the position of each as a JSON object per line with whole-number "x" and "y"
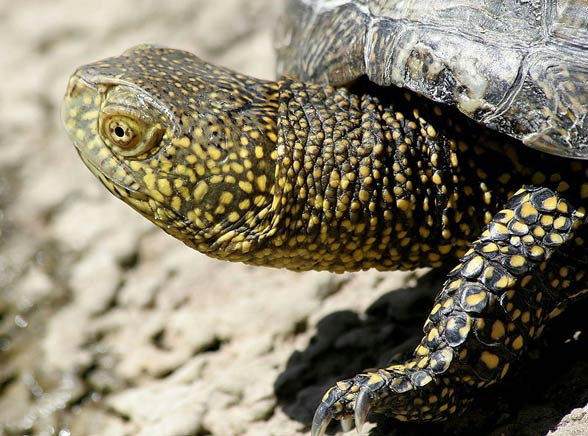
{"x": 304, "y": 176}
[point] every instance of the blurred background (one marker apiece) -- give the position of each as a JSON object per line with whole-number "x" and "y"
{"x": 110, "y": 327}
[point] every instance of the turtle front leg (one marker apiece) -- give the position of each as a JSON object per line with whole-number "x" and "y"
{"x": 495, "y": 301}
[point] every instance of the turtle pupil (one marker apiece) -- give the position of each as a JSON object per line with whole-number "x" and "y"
{"x": 119, "y": 131}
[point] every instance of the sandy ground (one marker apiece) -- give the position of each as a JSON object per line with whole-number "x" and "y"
{"x": 110, "y": 327}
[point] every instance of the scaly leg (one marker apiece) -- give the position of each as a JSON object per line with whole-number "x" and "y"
{"x": 496, "y": 300}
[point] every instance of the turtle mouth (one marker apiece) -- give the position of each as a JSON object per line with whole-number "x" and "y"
{"x": 111, "y": 184}
{"x": 153, "y": 210}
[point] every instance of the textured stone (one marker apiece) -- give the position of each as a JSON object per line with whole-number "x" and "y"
{"x": 91, "y": 295}
{"x": 161, "y": 410}
{"x": 32, "y": 288}
{"x": 574, "y": 423}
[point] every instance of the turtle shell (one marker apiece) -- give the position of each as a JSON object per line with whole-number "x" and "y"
{"x": 516, "y": 66}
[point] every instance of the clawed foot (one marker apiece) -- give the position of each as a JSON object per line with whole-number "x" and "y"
{"x": 354, "y": 398}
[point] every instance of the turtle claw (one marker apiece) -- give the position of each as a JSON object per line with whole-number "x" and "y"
{"x": 321, "y": 419}
{"x": 348, "y": 400}
{"x": 362, "y": 408}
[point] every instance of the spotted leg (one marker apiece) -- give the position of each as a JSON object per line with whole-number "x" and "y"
{"x": 512, "y": 280}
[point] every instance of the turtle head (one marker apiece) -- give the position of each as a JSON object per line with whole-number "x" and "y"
{"x": 189, "y": 145}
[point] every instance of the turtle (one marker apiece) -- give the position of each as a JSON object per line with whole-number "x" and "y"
{"x": 398, "y": 135}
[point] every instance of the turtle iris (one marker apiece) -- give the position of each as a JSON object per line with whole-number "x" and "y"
{"x": 129, "y": 137}
{"x": 122, "y": 133}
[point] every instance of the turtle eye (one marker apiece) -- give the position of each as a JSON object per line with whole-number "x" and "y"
{"x": 123, "y": 133}
{"x": 129, "y": 137}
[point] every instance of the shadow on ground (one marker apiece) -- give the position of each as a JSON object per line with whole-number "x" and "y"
{"x": 532, "y": 402}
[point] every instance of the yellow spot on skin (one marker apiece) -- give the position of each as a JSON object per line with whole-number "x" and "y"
{"x": 176, "y": 203}
{"x": 504, "y": 282}
{"x": 517, "y": 261}
{"x": 90, "y": 115}
{"x": 475, "y": 299}
{"x": 517, "y": 344}
{"x": 261, "y": 183}
{"x": 236, "y": 168}
{"x": 200, "y": 191}
{"x": 538, "y": 232}
{"x": 537, "y": 251}
{"x": 272, "y": 136}
{"x": 444, "y": 249}
{"x": 245, "y": 204}
{"x": 547, "y": 220}
{"x": 556, "y": 238}
{"x": 435, "y": 309}
{"x": 498, "y": 330}
{"x": 527, "y": 210}
{"x": 559, "y": 222}
{"x": 150, "y": 181}
{"x": 473, "y": 265}
{"x": 520, "y": 227}
{"x": 501, "y": 229}
{"x": 432, "y": 334}
{"x": 156, "y": 195}
{"x": 246, "y": 187}
{"x": 550, "y": 203}
{"x": 165, "y": 187}
{"x": 374, "y": 379}
{"x": 449, "y": 303}
{"x": 422, "y": 351}
{"x": 538, "y": 178}
{"x": 504, "y": 370}
{"x": 526, "y": 317}
{"x": 491, "y": 360}
{"x": 183, "y": 142}
{"x": 562, "y": 207}
{"x": 214, "y": 153}
{"x": 490, "y": 248}
{"x": 226, "y": 198}
{"x": 403, "y": 205}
